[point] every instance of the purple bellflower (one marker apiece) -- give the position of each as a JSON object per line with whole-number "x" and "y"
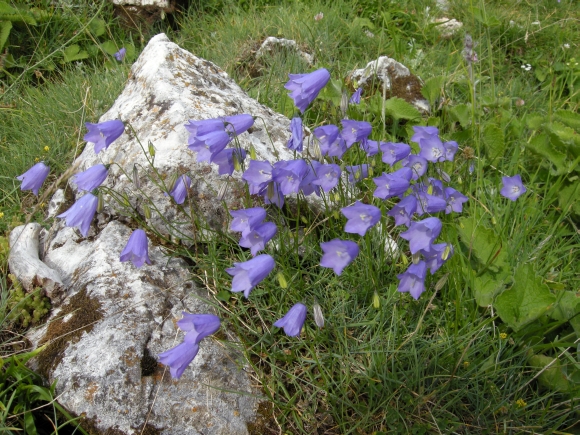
{"x": 357, "y": 173}
{"x": 454, "y": 200}
{"x": 34, "y": 177}
{"x": 331, "y": 142}
{"x": 273, "y": 195}
{"x": 360, "y": 217}
{"x": 393, "y": 184}
{"x": 432, "y": 149}
{"x": 424, "y": 133}
{"x": 246, "y": 220}
{"x": 422, "y": 234}
{"x": 295, "y": 141}
{"x": 437, "y": 255}
{"x": 258, "y": 176}
{"x": 249, "y": 274}
{"x": 429, "y": 203}
{"x": 257, "y": 238}
{"x": 512, "y": 187}
{"x": 91, "y": 178}
{"x": 451, "y": 148}
{"x": 104, "y": 134}
{"x": 413, "y": 280}
{"x": 227, "y": 158}
{"x": 304, "y": 88}
{"x": 355, "y": 99}
{"x": 338, "y": 254}
{"x": 136, "y": 249}
{"x": 355, "y": 131}
{"x": 179, "y": 190}
{"x": 394, "y": 152}
{"x": 293, "y": 320}
{"x": 403, "y": 210}
{"x": 418, "y": 164}
{"x": 328, "y": 176}
{"x": 289, "y": 175}
{"x": 197, "y": 326}
{"x": 307, "y": 185}
{"x": 81, "y": 213}
{"x": 371, "y": 147}
{"x": 120, "y": 55}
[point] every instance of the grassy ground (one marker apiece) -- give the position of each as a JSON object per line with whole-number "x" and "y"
{"x": 461, "y": 359}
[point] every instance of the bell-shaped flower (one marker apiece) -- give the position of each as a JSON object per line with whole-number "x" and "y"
{"x": 328, "y": 176}
{"x": 273, "y": 195}
{"x": 371, "y": 147}
{"x": 289, "y": 175}
{"x": 418, "y": 164}
{"x": 136, "y": 249}
{"x": 437, "y": 255}
{"x": 228, "y": 159}
{"x": 104, "y": 134}
{"x": 355, "y": 131}
{"x": 432, "y": 149}
{"x": 81, "y": 213}
{"x": 307, "y": 185}
{"x": 422, "y": 234}
{"x": 394, "y": 152}
{"x": 34, "y": 177}
{"x": 513, "y": 187}
{"x": 293, "y": 320}
{"x": 360, "y": 217}
{"x": 197, "y": 327}
{"x": 403, "y": 210}
{"x": 427, "y": 203}
{"x": 179, "y": 190}
{"x": 257, "y": 238}
{"x": 413, "y": 280}
{"x": 393, "y": 184}
{"x": 357, "y": 173}
{"x": 295, "y": 141}
{"x": 331, "y": 142}
{"x": 304, "y": 88}
{"x": 454, "y": 200}
{"x": 258, "y": 176}
{"x": 246, "y": 220}
{"x": 120, "y": 55}
{"x": 451, "y": 148}
{"x": 91, "y": 178}
{"x": 355, "y": 98}
{"x": 424, "y": 133}
{"x": 249, "y": 274}
{"x": 338, "y": 254}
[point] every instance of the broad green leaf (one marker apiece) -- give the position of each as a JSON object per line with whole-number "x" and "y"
{"x": 5, "y": 27}
{"x": 528, "y": 299}
{"x": 541, "y": 73}
{"x": 553, "y": 377}
{"x": 485, "y": 19}
{"x": 487, "y": 286}
{"x": 109, "y": 47}
{"x": 534, "y": 121}
{"x": 484, "y": 243}
{"x": 567, "y": 135}
{"x": 74, "y": 52}
{"x": 97, "y": 27}
{"x": 333, "y": 92}
{"x": 568, "y": 308}
{"x": 494, "y": 140}
{"x": 462, "y": 113}
{"x": 542, "y": 146}
{"x": 400, "y": 109}
{"x": 362, "y": 22}
{"x": 571, "y": 119}
{"x": 431, "y": 90}
{"x": 8, "y": 13}
{"x": 568, "y": 198}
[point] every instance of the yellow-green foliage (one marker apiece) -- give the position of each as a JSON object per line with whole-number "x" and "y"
{"x": 4, "y": 248}
{"x": 26, "y": 308}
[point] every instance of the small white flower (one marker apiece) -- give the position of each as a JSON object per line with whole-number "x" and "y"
{"x": 319, "y": 16}
{"x": 566, "y": 46}
{"x": 526, "y": 67}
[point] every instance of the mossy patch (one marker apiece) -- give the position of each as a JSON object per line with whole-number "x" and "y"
{"x": 84, "y": 312}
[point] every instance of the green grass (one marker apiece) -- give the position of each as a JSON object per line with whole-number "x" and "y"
{"x": 385, "y": 363}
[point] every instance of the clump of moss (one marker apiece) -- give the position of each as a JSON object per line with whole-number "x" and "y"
{"x": 26, "y": 309}
{"x": 4, "y": 249}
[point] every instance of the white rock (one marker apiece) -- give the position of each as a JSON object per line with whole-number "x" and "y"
{"x": 448, "y": 27}
{"x": 272, "y": 44}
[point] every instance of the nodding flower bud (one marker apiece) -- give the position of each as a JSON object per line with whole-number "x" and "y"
{"x": 316, "y": 152}
{"x": 344, "y": 103}
{"x": 318, "y": 316}
{"x": 136, "y": 180}
{"x": 252, "y": 152}
{"x": 282, "y": 280}
{"x": 151, "y": 149}
{"x": 270, "y": 192}
{"x": 439, "y": 285}
{"x": 146, "y": 211}
{"x": 100, "y": 202}
{"x": 416, "y": 257}
{"x": 172, "y": 181}
{"x": 126, "y": 201}
{"x": 376, "y": 300}
{"x": 236, "y": 160}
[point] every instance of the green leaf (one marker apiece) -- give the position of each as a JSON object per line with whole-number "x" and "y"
{"x": 485, "y": 19}
{"x": 5, "y": 27}
{"x": 74, "y": 52}
{"x": 462, "y": 114}
{"x": 571, "y": 119}
{"x": 400, "y": 109}
{"x": 568, "y": 198}
{"x": 487, "y": 286}
{"x": 534, "y": 121}
{"x": 484, "y": 243}
{"x": 494, "y": 140}
{"x": 568, "y": 309}
{"x": 565, "y": 134}
{"x": 431, "y": 90}
{"x": 542, "y": 146}
{"x": 553, "y": 377}
{"x": 97, "y": 27}
{"x": 528, "y": 299}
{"x": 8, "y": 13}
{"x": 541, "y": 73}
{"x": 109, "y": 47}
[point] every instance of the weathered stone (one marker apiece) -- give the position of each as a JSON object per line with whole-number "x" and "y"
{"x": 448, "y": 27}
{"x": 271, "y": 44}
{"x": 391, "y": 78}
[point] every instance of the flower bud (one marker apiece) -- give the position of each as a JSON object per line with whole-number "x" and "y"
{"x": 282, "y": 280}
{"x": 136, "y": 180}
{"x": 146, "y": 211}
{"x": 318, "y": 316}
{"x": 416, "y": 257}
{"x": 151, "y": 149}
{"x": 100, "y": 202}
{"x": 236, "y": 160}
{"x": 252, "y": 152}
{"x": 376, "y": 300}
{"x": 404, "y": 259}
{"x": 439, "y": 285}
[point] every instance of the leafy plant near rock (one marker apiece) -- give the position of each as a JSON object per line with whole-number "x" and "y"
{"x": 26, "y": 309}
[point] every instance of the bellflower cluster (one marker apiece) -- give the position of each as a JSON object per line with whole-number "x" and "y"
{"x": 255, "y": 232}
{"x": 197, "y": 327}
{"x": 104, "y": 133}
{"x": 33, "y": 179}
